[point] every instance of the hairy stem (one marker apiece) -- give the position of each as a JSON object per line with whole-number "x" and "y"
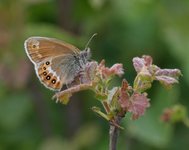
{"x": 113, "y": 133}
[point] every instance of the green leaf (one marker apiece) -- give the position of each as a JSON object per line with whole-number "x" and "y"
{"x": 113, "y": 99}
{"x": 142, "y": 83}
{"x": 101, "y": 96}
{"x": 100, "y": 113}
{"x": 111, "y": 94}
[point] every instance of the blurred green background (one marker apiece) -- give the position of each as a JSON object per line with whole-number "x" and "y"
{"x": 30, "y": 120}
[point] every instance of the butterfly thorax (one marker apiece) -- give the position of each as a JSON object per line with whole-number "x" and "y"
{"x": 70, "y": 65}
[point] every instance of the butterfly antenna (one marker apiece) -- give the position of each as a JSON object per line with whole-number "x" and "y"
{"x": 86, "y": 46}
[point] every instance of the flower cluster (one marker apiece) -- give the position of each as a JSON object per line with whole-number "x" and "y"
{"x": 117, "y": 101}
{"x": 148, "y": 72}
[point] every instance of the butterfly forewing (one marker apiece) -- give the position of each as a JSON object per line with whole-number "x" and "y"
{"x": 40, "y": 48}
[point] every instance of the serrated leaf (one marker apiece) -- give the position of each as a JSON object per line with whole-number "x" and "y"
{"x": 138, "y": 105}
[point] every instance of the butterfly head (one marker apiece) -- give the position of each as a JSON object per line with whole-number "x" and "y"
{"x": 85, "y": 55}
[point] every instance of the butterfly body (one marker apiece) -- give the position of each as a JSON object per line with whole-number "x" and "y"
{"x": 56, "y": 62}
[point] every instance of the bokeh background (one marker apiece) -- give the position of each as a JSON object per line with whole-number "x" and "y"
{"x": 30, "y": 120}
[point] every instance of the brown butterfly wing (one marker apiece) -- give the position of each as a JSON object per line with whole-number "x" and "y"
{"x": 46, "y": 53}
{"x": 40, "y": 48}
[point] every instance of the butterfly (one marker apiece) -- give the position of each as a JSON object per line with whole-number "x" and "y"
{"x": 56, "y": 62}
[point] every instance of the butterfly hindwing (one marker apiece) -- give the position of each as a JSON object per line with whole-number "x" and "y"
{"x": 50, "y": 78}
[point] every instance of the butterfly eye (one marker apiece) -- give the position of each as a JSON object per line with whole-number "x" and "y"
{"x": 47, "y": 63}
{"x": 48, "y": 77}
{"x": 53, "y": 81}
